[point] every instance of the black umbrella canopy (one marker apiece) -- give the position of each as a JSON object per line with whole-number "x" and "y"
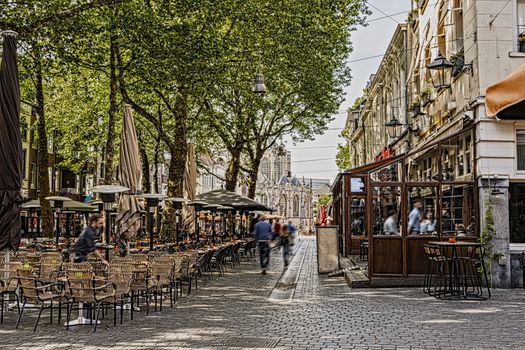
{"x": 10, "y": 145}
{"x": 232, "y": 199}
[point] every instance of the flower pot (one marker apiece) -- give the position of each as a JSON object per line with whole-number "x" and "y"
{"x": 458, "y": 66}
{"x": 425, "y": 100}
{"x": 416, "y": 110}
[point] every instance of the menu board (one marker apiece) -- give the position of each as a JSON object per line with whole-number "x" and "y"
{"x": 327, "y": 248}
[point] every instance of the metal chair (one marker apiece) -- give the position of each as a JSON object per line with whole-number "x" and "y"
{"x": 8, "y": 285}
{"x": 39, "y": 293}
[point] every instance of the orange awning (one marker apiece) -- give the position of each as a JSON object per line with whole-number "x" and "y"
{"x": 506, "y": 98}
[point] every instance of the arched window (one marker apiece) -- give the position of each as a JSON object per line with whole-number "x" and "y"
{"x": 283, "y": 204}
{"x": 296, "y": 206}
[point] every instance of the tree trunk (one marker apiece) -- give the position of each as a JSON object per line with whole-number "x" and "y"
{"x": 146, "y": 184}
{"x": 156, "y": 187}
{"x": 177, "y": 167}
{"x": 43, "y": 156}
{"x": 234, "y": 168}
{"x": 109, "y": 177}
{"x": 252, "y": 180}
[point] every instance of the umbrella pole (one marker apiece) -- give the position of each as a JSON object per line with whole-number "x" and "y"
{"x": 151, "y": 232}
{"x": 57, "y": 227}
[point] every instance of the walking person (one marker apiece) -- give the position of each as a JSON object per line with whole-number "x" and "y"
{"x": 276, "y": 229}
{"x": 285, "y": 243}
{"x": 414, "y": 219}
{"x": 263, "y": 235}
{"x": 85, "y": 243}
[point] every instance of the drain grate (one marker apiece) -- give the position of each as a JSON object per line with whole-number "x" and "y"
{"x": 247, "y": 342}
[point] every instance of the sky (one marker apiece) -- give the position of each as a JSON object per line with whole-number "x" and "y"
{"x": 316, "y": 159}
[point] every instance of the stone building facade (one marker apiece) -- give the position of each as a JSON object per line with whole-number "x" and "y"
{"x": 484, "y": 41}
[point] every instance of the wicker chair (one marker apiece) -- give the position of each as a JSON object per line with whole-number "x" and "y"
{"x": 8, "y": 284}
{"x": 121, "y": 275}
{"x": 141, "y": 284}
{"x": 83, "y": 287}
{"x": 162, "y": 276}
{"x": 36, "y": 292}
{"x": 50, "y": 267}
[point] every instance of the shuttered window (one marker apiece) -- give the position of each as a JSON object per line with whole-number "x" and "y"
{"x": 520, "y": 149}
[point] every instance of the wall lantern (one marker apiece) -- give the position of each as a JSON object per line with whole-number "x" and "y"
{"x": 443, "y": 67}
{"x": 392, "y": 126}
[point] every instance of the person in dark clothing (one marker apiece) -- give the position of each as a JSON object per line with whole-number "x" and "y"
{"x": 85, "y": 243}
{"x": 263, "y": 235}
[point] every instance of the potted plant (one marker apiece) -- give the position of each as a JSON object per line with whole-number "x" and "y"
{"x": 521, "y": 42}
{"x": 458, "y": 60}
{"x": 415, "y": 107}
{"x": 425, "y": 96}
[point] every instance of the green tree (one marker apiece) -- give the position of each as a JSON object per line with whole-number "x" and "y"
{"x": 342, "y": 158}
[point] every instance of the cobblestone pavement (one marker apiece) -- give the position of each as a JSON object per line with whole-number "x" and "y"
{"x": 232, "y": 312}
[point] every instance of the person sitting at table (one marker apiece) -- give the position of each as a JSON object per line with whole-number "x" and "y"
{"x": 428, "y": 225}
{"x": 85, "y": 243}
{"x": 390, "y": 226}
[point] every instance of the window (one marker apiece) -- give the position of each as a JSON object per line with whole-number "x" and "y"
{"x": 283, "y": 206}
{"x": 517, "y": 213}
{"x": 441, "y": 39}
{"x": 458, "y": 24}
{"x": 296, "y": 206}
{"x": 520, "y": 149}
{"x": 520, "y": 21}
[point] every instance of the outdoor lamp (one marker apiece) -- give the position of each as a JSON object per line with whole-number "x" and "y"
{"x": 177, "y": 204}
{"x": 58, "y": 204}
{"x": 442, "y": 66}
{"x": 107, "y": 194}
{"x": 197, "y": 205}
{"x": 259, "y": 87}
{"x": 152, "y": 202}
{"x": 392, "y": 127}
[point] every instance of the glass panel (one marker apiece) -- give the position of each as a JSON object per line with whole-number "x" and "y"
{"x": 387, "y": 173}
{"x": 520, "y": 11}
{"x": 422, "y": 166}
{"x": 459, "y": 211}
{"x": 385, "y": 209}
{"x": 457, "y": 159}
{"x": 422, "y": 207}
{"x": 517, "y": 213}
{"x": 520, "y": 151}
{"x": 357, "y": 185}
{"x": 357, "y": 215}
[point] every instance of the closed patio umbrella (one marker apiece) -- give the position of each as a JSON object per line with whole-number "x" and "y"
{"x": 10, "y": 146}
{"x": 190, "y": 189}
{"x": 128, "y": 217}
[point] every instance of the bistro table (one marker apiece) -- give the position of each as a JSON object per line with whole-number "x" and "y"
{"x": 463, "y": 258}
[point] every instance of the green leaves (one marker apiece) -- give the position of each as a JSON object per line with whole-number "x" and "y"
{"x": 191, "y": 61}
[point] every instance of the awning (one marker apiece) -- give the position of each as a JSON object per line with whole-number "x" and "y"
{"x": 506, "y": 98}
{"x": 367, "y": 168}
{"x": 232, "y": 199}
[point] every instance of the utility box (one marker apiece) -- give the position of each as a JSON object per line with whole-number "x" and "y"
{"x": 327, "y": 248}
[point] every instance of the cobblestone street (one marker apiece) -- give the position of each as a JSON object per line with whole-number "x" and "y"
{"x": 233, "y": 312}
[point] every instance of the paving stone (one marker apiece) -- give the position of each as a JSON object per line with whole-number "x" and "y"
{"x": 324, "y": 313}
